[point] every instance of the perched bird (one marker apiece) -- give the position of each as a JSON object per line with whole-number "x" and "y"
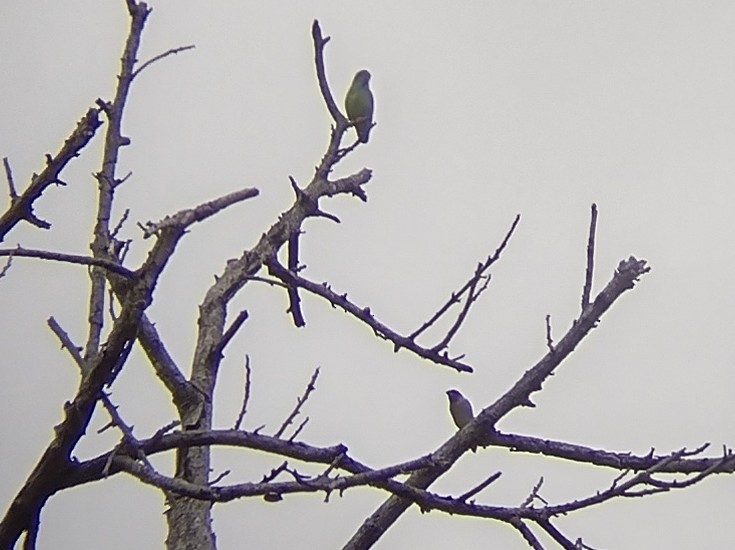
{"x": 460, "y": 408}
{"x": 359, "y": 105}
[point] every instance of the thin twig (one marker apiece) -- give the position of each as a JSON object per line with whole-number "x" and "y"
{"x": 590, "y": 259}
{"x": 267, "y": 280}
{"x": 242, "y": 316}
{"x": 111, "y": 304}
{"x": 273, "y": 474}
{"x": 549, "y": 339}
{"x": 455, "y": 296}
{"x": 120, "y": 223}
{"x": 68, "y": 258}
{"x": 472, "y": 295}
{"x": 160, "y": 56}
{"x": 6, "y": 267}
{"x": 297, "y": 431}
{"x": 220, "y": 477}
{"x": 319, "y": 43}
{"x": 310, "y": 387}
{"x": 11, "y": 183}
{"x": 534, "y": 494}
{"x": 293, "y": 293}
{"x": 66, "y": 343}
{"x": 472, "y": 492}
{"x": 246, "y": 394}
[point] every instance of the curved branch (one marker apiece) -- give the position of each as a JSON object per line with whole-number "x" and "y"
{"x": 320, "y": 42}
{"x": 172, "y": 51}
{"x": 68, "y": 258}
{"x": 366, "y": 316}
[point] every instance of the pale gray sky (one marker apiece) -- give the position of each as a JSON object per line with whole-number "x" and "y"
{"x": 483, "y": 111}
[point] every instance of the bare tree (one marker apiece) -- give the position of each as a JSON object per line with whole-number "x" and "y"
{"x": 191, "y": 493}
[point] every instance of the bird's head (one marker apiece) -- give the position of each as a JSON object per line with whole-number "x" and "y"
{"x": 362, "y": 77}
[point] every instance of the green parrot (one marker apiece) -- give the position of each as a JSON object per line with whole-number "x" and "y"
{"x": 359, "y": 105}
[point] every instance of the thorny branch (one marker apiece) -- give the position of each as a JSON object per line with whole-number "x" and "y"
{"x": 21, "y": 207}
{"x": 366, "y": 316}
{"x": 106, "y": 178}
{"x": 362, "y": 475}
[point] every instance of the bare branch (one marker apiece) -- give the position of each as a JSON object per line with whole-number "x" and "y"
{"x": 66, "y": 343}
{"x": 106, "y": 177}
{"x": 319, "y": 43}
{"x": 473, "y": 293}
{"x": 378, "y": 478}
{"x": 590, "y": 259}
{"x": 300, "y": 427}
{"x": 220, "y": 477}
{"x": 293, "y": 293}
{"x": 43, "y": 480}
{"x": 273, "y": 474}
{"x": 310, "y": 387}
{"x": 119, "y": 225}
{"x": 534, "y": 494}
{"x": 11, "y": 184}
{"x": 229, "y": 334}
{"x": 549, "y": 339}
{"x": 527, "y": 534}
{"x": 366, "y": 316}
{"x": 21, "y": 207}
{"x": 246, "y": 394}
{"x": 68, "y": 258}
{"x": 7, "y": 266}
{"x": 334, "y": 457}
{"x": 555, "y": 534}
{"x": 172, "y": 51}
{"x": 163, "y": 364}
{"x": 188, "y": 216}
{"x": 469, "y": 285}
{"x": 472, "y": 492}
{"x": 625, "y": 277}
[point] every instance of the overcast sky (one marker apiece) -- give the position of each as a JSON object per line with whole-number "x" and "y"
{"x": 483, "y": 111}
